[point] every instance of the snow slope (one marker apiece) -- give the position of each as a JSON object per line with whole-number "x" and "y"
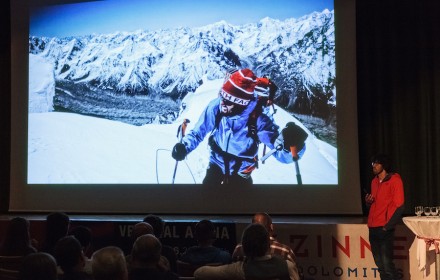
{"x": 66, "y": 148}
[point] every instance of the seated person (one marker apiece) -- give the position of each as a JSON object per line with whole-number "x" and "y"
{"x": 276, "y": 247}
{"x": 39, "y": 266}
{"x": 168, "y": 252}
{"x": 205, "y": 252}
{"x": 57, "y": 226}
{"x": 70, "y": 258}
{"x": 145, "y": 260}
{"x": 84, "y": 235}
{"x": 108, "y": 263}
{"x": 140, "y": 229}
{"x": 259, "y": 263}
{"x": 17, "y": 240}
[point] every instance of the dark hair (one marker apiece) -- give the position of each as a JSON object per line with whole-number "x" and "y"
{"x": 83, "y": 234}
{"x": 255, "y": 241}
{"x": 68, "y": 253}
{"x": 17, "y": 241}
{"x": 39, "y": 266}
{"x": 156, "y": 222}
{"x": 382, "y": 159}
{"x": 57, "y": 226}
{"x": 204, "y": 231}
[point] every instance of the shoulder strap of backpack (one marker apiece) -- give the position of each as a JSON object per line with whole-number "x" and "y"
{"x": 252, "y": 122}
{"x": 218, "y": 118}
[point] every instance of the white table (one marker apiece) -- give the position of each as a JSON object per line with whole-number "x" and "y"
{"x": 427, "y": 230}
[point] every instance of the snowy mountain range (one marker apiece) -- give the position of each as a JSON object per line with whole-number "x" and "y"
{"x": 297, "y": 54}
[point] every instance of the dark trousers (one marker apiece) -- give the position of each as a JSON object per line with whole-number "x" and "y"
{"x": 214, "y": 176}
{"x": 381, "y": 242}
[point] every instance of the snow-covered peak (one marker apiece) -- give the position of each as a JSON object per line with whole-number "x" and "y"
{"x": 298, "y": 54}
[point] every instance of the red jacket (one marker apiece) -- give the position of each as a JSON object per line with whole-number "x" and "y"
{"x": 388, "y": 202}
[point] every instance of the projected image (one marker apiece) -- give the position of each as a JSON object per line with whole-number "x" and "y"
{"x": 112, "y": 82}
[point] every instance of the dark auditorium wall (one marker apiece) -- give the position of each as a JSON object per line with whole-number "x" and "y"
{"x": 5, "y": 97}
{"x": 398, "y": 62}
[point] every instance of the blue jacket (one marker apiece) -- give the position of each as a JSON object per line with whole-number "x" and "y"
{"x": 231, "y": 136}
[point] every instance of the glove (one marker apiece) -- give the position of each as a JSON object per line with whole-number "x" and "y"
{"x": 294, "y": 138}
{"x": 179, "y": 152}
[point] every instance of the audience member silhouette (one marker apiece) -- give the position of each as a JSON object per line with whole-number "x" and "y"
{"x": 17, "y": 241}
{"x": 140, "y": 229}
{"x": 70, "y": 257}
{"x": 168, "y": 252}
{"x": 205, "y": 252}
{"x": 39, "y": 266}
{"x": 259, "y": 256}
{"x": 259, "y": 264}
{"x": 145, "y": 263}
{"x": 57, "y": 226}
{"x": 276, "y": 247}
{"x": 108, "y": 263}
{"x": 84, "y": 235}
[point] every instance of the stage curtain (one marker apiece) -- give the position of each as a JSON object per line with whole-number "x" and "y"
{"x": 398, "y": 62}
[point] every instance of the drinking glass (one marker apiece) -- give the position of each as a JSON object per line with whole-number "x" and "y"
{"x": 427, "y": 211}
{"x": 418, "y": 210}
{"x": 434, "y": 211}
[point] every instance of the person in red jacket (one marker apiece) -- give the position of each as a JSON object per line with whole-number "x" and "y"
{"x": 385, "y": 202}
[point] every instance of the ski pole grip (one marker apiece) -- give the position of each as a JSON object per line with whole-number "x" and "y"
{"x": 294, "y": 152}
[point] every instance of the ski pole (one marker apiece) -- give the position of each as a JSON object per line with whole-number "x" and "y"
{"x": 271, "y": 152}
{"x": 298, "y": 175}
{"x": 264, "y": 148}
{"x": 264, "y": 152}
{"x": 174, "y": 173}
{"x": 180, "y": 132}
{"x": 294, "y": 153}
